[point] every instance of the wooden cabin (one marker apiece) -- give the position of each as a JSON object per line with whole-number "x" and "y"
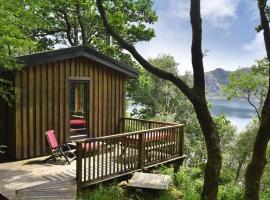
{"x": 76, "y": 91}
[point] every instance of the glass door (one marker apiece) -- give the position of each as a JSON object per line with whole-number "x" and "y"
{"x": 78, "y": 109}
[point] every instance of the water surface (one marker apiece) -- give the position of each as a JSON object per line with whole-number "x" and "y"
{"x": 239, "y": 112}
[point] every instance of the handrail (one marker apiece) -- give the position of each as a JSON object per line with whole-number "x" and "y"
{"x": 152, "y": 121}
{"x": 103, "y": 158}
{"x": 129, "y": 133}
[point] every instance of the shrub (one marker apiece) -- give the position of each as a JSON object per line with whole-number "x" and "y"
{"x": 112, "y": 192}
{"x": 3, "y": 149}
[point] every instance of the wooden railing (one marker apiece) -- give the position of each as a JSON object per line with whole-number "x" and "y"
{"x": 108, "y": 157}
{"x": 131, "y": 124}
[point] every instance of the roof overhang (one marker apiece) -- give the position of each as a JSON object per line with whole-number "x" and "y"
{"x": 73, "y": 52}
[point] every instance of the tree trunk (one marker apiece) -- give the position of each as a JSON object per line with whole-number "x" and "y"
{"x": 240, "y": 164}
{"x": 214, "y": 160}
{"x": 256, "y": 166}
{"x": 258, "y": 161}
{"x": 196, "y": 94}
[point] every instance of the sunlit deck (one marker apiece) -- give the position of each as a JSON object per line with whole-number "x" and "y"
{"x": 143, "y": 145}
{"x": 33, "y": 179}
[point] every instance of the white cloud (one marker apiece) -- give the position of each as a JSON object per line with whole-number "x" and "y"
{"x": 214, "y": 12}
{"x": 256, "y": 46}
{"x": 252, "y": 9}
{"x": 173, "y": 35}
{"x": 219, "y": 8}
{"x": 219, "y": 12}
{"x": 169, "y": 42}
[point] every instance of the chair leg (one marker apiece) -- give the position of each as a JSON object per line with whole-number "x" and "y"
{"x": 74, "y": 157}
{"x": 65, "y": 156}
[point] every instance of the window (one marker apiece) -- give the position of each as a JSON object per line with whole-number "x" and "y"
{"x": 78, "y": 108}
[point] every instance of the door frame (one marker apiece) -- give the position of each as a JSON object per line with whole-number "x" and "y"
{"x": 86, "y": 80}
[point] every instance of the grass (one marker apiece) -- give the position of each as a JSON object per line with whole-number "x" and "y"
{"x": 113, "y": 192}
{"x": 187, "y": 185}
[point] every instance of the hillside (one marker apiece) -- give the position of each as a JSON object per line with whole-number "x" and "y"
{"x": 215, "y": 79}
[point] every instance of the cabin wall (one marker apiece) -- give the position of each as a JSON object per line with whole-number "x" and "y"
{"x": 43, "y": 102}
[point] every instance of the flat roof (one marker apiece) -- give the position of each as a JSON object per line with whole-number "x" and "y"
{"x": 72, "y": 52}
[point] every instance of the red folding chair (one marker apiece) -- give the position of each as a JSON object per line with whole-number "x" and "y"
{"x": 58, "y": 150}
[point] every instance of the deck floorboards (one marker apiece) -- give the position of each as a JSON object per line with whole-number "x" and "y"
{"x": 33, "y": 179}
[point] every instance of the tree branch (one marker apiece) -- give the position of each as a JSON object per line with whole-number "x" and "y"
{"x": 145, "y": 64}
{"x": 256, "y": 109}
{"x": 69, "y": 27}
{"x": 81, "y": 23}
{"x": 45, "y": 32}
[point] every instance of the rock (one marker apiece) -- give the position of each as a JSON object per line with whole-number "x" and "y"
{"x": 123, "y": 184}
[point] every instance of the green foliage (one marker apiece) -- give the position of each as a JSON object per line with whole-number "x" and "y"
{"x": 226, "y": 131}
{"x": 73, "y": 23}
{"x": 190, "y": 182}
{"x": 239, "y": 151}
{"x": 187, "y": 185}
{"x": 158, "y": 98}
{"x": 230, "y": 192}
{"x": 30, "y": 26}
{"x": 265, "y": 182}
{"x": 14, "y": 40}
{"x": 249, "y": 84}
{"x": 3, "y": 149}
{"x": 7, "y": 91}
{"x": 235, "y": 161}
{"x": 194, "y": 142}
{"x": 161, "y": 100}
{"x": 109, "y": 193}
{"x": 172, "y": 194}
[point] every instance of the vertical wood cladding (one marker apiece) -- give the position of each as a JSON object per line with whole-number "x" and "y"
{"x": 43, "y": 102}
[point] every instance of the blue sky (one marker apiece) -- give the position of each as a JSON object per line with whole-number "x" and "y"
{"x": 228, "y": 33}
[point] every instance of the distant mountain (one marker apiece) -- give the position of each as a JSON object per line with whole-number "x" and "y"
{"x": 215, "y": 79}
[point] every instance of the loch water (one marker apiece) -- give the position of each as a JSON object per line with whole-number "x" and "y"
{"x": 239, "y": 112}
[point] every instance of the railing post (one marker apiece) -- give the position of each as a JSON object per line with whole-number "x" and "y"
{"x": 141, "y": 151}
{"x": 180, "y": 138}
{"x": 123, "y": 124}
{"x": 181, "y": 142}
{"x": 79, "y": 165}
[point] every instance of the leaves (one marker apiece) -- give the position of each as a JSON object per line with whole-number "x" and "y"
{"x": 30, "y": 26}
{"x": 249, "y": 84}
{"x": 157, "y": 97}
{"x": 14, "y": 40}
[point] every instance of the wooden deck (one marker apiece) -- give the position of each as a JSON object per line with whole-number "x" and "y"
{"x": 144, "y": 144}
{"x": 33, "y": 179}
{"x": 104, "y": 158}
